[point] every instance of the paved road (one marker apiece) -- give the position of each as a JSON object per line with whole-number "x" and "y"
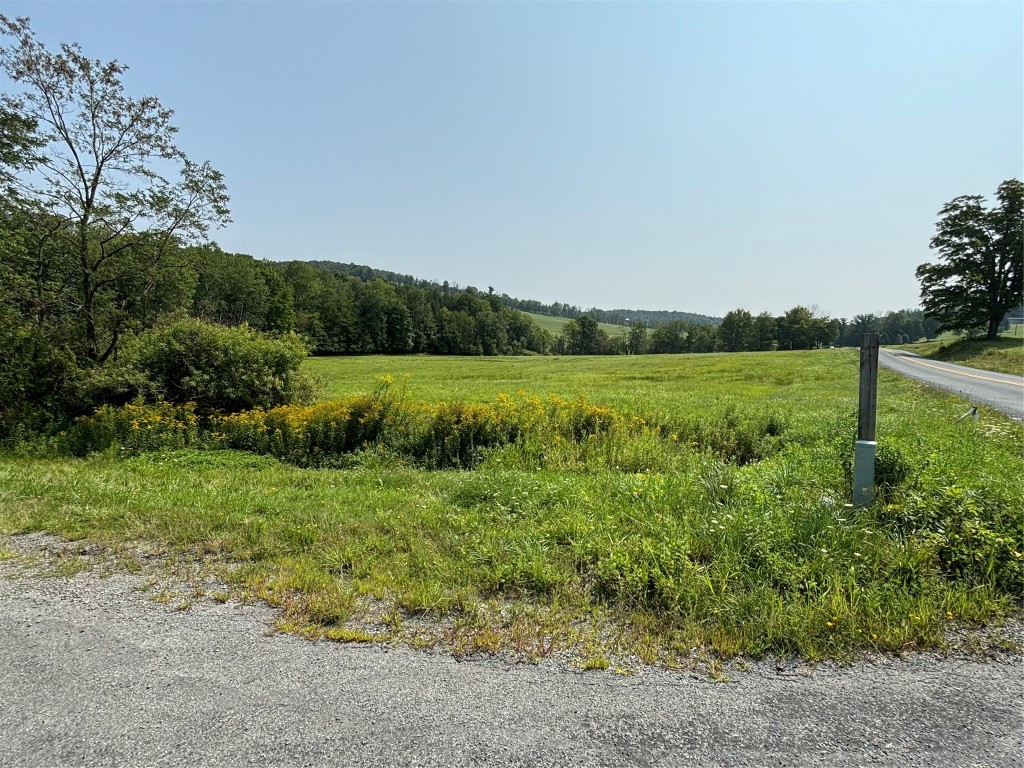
{"x": 95, "y": 673}
{"x": 1001, "y": 391}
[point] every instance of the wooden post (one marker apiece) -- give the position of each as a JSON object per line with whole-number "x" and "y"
{"x": 868, "y": 387}
{"x": 865, "y": 446}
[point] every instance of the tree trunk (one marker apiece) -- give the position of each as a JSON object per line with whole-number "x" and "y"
{"x": 88, "y": 307}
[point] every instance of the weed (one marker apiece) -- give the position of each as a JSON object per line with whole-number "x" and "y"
{"x": 679, "y": 509}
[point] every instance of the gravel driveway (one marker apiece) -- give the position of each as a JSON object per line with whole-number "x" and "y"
{"x": 96, "y": 672}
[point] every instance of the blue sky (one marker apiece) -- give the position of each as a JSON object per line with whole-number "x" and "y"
{"x": 689, "y": 156}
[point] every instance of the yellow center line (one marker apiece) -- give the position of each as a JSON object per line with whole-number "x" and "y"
{"x": 958, "y": 373}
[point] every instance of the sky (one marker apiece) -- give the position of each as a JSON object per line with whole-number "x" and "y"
{"x": 690, "y": 156}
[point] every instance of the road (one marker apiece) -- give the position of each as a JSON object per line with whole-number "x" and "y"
{"x": 97, "y": 673}
{"x": 1001, "y": 391}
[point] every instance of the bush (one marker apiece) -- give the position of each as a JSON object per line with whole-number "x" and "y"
{"x": 135, "y": 428}
{"x": 39, "y": 380}
{"x": 221, "y": 369}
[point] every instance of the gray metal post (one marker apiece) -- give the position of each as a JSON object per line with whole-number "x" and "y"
{"x": 865, "y": 446}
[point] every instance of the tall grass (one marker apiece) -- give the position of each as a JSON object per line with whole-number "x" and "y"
{"x": 696, "y": 502}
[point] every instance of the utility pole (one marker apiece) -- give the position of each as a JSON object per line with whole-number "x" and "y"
{"x": 865, "y": 447}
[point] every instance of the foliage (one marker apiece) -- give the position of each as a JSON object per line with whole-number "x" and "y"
{"x": 799, "y": 328}
{"x": 235, "y": 289}
{"x": 737, "y": 332}
{"x": 700, "y": 549}
{"x": 973, "y": 536}
{"x": 219, "y": 368}
{"x": 1004, "y": 355}
{"x": 582, "y": 336}
{"x": 515, "y": 431}
{"x": 979, "y": 276}
{"x": 900, "y": 327}
{"x": 99, "y": 190}
{"x": 134, "y": 428}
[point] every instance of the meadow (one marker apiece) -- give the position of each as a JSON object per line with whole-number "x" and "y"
{"x": 556, "y": 325}
{"x": 616, "y": 511}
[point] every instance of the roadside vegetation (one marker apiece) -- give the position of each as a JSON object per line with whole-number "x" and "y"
{"x": 636, "y": 508}
{"x": 1005, "y": 354}
{"x": 687, "y": 508}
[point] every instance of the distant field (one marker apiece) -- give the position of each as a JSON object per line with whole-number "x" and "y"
{"x": 554, "y": 325}
{"x": 691, "y": 508}
{"x": 632, "y": 383}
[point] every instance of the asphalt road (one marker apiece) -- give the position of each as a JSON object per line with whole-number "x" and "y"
{"x": 95, "y": 673}
{"x": 1000, "y": 391}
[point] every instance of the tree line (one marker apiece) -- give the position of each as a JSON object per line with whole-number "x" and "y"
{"x": 104, "y": 240}
{"x": 741, "y": 331}
{"x": 553, "y": 309}
{"x": 339, "y": 313}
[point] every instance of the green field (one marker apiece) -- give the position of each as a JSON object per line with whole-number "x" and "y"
{"x": 692, "y": 508}
{"x": 554, "y": 325}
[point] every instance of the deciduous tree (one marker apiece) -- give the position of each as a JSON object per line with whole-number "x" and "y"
{"x": 979, "y": 276}
{"x": 736, "y": 333}
{"x": 114, "y": 189}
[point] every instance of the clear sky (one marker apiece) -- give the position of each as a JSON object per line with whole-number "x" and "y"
{"x": 691, "y": 156}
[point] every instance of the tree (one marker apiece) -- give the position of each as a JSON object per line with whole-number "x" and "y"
{"x": 109, "y": 183}
{"x": 766, "y": 332}
{"x": 636, "y": 340}
{"x": 582, "y": 336}
{"x": 796, "y": 329}
{"x": 668, "y": 338}
{"x": 229, "y": 289}
{"x": 701, "y": 337}
{"x": 18, "y": 146}
{"x": 801, "y": 328}
{"x": 979, "y": 276}
{"x": 737, "y": 333}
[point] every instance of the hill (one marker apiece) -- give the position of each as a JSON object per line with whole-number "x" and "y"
{"x": 555, "y": 325}
{"x": 611, "y": 319}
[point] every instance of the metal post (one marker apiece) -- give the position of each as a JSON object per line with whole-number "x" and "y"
{"x": 865, "y": 446}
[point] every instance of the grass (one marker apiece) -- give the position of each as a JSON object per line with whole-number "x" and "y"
{"x": 642, "y": 384}
{"x": 555, "y": 325}
{"x": 1005, "y": 355}
{"x": 618, "y": 549}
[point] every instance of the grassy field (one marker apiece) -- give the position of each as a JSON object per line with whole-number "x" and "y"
{"x": 691, "y": 508}
{"x": 554, "y": 325}
{"x": 638, "y": 383}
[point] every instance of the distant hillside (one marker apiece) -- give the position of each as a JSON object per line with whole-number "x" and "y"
{"x": 654, "y": 317}
{"x": 611, "y": 317}
{"x": 555, "y": 325}
{"x": 370, "y": 273}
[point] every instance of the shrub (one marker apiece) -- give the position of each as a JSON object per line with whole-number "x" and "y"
{"x": 39, "y": 380}
{"x": 134, "y": 428}
{"x": 307, "y": 435}
{"x": 457, "y": 434}
{"x": 221, "y": 369}
{"x": 513, "y": 432}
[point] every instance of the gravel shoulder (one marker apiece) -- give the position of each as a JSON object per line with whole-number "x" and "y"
{"x": 98, "y": 671}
